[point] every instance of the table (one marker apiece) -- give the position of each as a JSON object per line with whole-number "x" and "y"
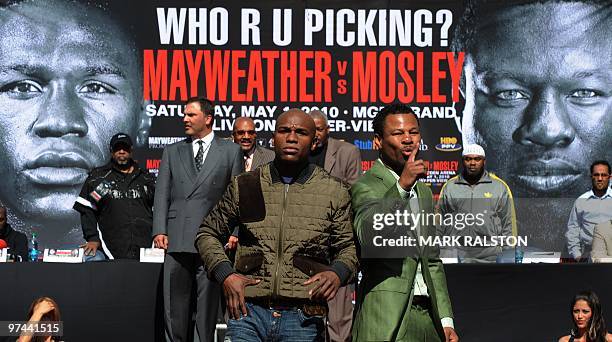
{"x": 122, "y": 300}
{"x": 528, "y": 302}
{"x": 99, "y": 301}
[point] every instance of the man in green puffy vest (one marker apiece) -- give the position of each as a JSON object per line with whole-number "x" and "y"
{"x": 401, "y": 297}
{"x": 296, "y": 241}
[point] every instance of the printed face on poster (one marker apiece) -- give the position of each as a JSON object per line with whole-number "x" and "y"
{"x": 533, "y": 89}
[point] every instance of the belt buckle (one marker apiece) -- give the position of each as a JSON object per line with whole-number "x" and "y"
{"x": 277, "y": 307}
{"x": 314, "y": 310}
{"x": 274, "y": 308}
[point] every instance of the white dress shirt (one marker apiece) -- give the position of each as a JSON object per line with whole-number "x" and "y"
{"x": 588, "y": 211}
{"x": 207, "y": 140}
{"x": 420, "y": 287}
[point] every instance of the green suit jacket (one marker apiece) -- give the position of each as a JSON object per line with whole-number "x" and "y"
{"x": 385, "y": 292}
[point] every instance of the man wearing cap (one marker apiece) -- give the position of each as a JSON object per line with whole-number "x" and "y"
{"x": 484, "y": 195}
{"x": 117, "y": 198}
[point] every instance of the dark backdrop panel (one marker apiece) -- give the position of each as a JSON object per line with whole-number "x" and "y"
{"x": 529, "y": 302}
{"x": 106, "y": 301}
{"x": 121, "y": 301}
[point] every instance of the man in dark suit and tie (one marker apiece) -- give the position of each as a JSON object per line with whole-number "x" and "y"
{"x": 341, "y": 159}
{"x": 244, "y": 134}
{"x": 193, "y": 175}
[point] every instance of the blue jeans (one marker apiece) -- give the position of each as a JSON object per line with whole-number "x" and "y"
{"x": 267, "y": 325}
{"x": 99, "y": 256}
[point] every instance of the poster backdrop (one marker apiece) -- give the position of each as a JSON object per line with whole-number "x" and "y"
{"x": 531, "y": 82}
{"x": 347, "y": 62}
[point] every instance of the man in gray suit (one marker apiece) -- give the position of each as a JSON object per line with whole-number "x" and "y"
{"x": 244, "y": 134}
{"x": 343, "y": 161}
{"x": 193, "y": 175}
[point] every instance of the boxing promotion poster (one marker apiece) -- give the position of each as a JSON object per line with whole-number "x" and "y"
{"x": 345, "y": 62}
{"x": 530, "y": 82}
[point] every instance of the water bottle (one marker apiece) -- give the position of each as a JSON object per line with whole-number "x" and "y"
{"x": 518, "y": 255}
{"x": 34, "y": 248}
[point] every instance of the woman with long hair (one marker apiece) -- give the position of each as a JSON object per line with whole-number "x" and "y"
{"x": 43, "y": 309}
{"x": 589, "y": 324}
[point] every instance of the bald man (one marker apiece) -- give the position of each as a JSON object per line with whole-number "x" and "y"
{"x": 296, "y": 241}
{"x": 245, "y": 135}
{"x": 341, "y": 159}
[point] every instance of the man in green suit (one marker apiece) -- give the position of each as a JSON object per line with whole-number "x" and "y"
{"x": 401, "y": 297}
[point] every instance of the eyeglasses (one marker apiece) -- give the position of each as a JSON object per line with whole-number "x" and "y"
{"x": 602, "y": 175}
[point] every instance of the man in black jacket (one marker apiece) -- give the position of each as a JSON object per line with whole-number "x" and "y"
{"x": 17, "y": 242}
{"x": 117, "y": 197}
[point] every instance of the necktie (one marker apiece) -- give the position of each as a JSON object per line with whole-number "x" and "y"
{"x": 247, "y": 163}
{"x": 199, "y": 156}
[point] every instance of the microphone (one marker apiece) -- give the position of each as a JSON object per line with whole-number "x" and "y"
{"x": 3, "y": 244}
